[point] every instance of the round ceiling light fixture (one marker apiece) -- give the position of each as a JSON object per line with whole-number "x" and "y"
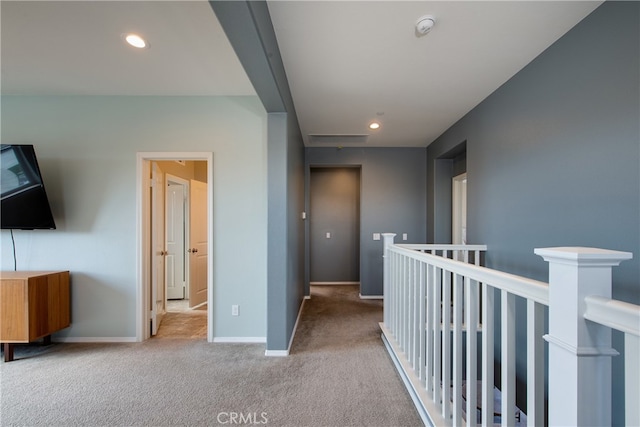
{"x": 135, "y": 40}
{"x": 425, "y": 24}
{"x": 374, "y": 126}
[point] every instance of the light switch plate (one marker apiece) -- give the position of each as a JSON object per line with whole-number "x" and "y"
{"x": 404, "y": 236}
{"x": 376, "y": 236}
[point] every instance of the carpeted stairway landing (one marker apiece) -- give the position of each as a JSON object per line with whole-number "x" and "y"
{"x": 338, "y": 374}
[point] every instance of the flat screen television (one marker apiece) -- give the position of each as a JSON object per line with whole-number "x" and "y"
{"x": 24, "y": 203}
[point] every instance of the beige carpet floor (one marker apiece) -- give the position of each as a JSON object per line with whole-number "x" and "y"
{"x": 338, "y": 374}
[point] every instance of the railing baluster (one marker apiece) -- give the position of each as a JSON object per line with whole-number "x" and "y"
{"x": 457, "y": 349}
{"x": 632, "y": 379}
{"x": 437, "y": 330}
{"x": 429, "y": 292}
{"x": 508, "y": 363}
{"x": 535, "y": 364}
{"x": 403, "y": 304}
{"x": 422, "y": 345}
{"x": 391, "y": 292}
{"x": 472, "y": 351}
{"x": 398, "y": 289}
{"x": 415, "y": 327}
{"x": 409, "y": 313}
{"x": 487, "y": 354}
{"x": 445, "y": 306}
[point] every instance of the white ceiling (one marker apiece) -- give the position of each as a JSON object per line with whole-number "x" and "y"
{"x": 348, "y": 62}
{"x": 76, "y": 48}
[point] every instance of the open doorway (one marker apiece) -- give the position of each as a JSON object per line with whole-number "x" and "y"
{"x": 174, "y": 241}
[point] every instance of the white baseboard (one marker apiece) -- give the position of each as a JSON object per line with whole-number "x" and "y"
{"x": 281, "y": 353}
{"x": 276, "y": 353}
{"x": 94, "y": 339}
{"x": 332, "y": 283}
{"x": 258, "y": 340}
{"x": 371, "y": 296}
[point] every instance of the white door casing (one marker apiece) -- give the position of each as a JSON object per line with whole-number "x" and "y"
{"x": 198, "y": 244}
{"x": 176, "y": 227}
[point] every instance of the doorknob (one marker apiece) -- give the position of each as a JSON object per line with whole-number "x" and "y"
{"x": 194, "y": 250}
{"x": 164, "y": 253}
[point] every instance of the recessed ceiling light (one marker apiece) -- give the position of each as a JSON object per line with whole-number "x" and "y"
{"x": 374, "y": 125}
{"x": 135, "y": 40}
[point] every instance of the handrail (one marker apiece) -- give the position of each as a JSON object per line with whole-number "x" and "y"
{"x": 527, "y": 288}
{"x": 619, "y": 315}
{"x": 439, "y": 247}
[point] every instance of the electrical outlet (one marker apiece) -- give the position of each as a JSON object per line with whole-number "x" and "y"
{"x": 235, "y": 310}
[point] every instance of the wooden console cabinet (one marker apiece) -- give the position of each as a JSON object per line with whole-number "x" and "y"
{"x": 33, "y": 305}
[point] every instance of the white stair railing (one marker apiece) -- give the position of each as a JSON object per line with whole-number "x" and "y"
{"x": 433, "y": 304}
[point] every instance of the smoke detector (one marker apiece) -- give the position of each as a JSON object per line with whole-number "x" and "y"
{"x": 425, "y": 24}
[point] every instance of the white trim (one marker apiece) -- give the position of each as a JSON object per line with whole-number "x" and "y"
{"x": 259, "y": 340}
{"x": 307, "y": 297}
{"x": 276, "y": 353}
{"x": 293, "y": 334}
{"x": 94, "y": 339}
{"x": 142, "y": 257}
{"x": 371, "y": 296}
{"x": 424, "y": 406}
{"x": 332, "y": 283}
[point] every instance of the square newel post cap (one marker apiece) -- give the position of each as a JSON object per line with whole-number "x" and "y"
{"x": 388, "y": 237}
{"x": 581, "y": 256}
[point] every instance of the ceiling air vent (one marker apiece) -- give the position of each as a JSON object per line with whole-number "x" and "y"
{"x": 337, "y": 139}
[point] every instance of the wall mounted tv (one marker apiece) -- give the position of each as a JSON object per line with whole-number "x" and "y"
{"x": 23, "y": 201}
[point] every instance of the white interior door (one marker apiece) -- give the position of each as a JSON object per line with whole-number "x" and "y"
{"x": 176, "y": 203}
{"x": 198, "y": 243}
{"x": 158, "y": 298}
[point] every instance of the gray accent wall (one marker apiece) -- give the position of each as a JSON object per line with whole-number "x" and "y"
{"x": 392, "y": 199}
{"x": 553, "y": 157}
{"x": 248, "y": 27}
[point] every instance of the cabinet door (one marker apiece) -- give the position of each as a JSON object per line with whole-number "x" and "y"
{"x": 38, "y": 307}
{"x": 14, "y": 320}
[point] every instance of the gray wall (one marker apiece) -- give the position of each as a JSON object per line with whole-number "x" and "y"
{"x": 248, "y": 27}
{"x": 553, "y": 156}
{"x": 392, "y": 199}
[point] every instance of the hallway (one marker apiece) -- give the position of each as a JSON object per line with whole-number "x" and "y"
{"x": 182, "y": 322}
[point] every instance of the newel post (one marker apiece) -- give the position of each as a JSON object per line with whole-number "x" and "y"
{"x": 579, "y": 350}
{"x": 387, "y": 239}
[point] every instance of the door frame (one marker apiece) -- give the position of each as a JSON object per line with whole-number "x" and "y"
{"x": 143, "y": 230}
{"x": 458, "y": 208}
